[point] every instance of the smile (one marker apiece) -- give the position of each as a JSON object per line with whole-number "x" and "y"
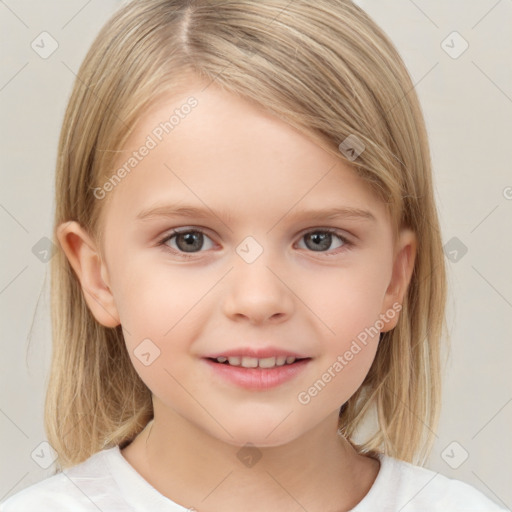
{"x": 256, "y": 374}
{"x": 253, "y": 362}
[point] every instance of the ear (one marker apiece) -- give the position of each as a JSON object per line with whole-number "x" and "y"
{"x": 92, "y": 272}
{"x": 403, "y": 266}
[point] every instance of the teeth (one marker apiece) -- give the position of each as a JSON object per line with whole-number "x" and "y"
{"x": 249, "y": 362}
{"x": 253, "y": 362}
{"x": 268, "y": 362}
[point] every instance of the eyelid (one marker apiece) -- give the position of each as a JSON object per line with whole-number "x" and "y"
{"x": 177, "y": 231}
{"x": 326, "y": 229}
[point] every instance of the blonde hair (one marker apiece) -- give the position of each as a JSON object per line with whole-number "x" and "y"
{"x": 329, "y": 71}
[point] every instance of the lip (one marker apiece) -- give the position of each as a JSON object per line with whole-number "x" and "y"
{"x": 258, "y": 353}
{"x": 257, "y": 379}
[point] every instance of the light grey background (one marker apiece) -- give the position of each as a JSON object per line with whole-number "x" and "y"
{"x": 467, "y": 102}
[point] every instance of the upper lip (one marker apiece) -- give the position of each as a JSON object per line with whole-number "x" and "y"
{"x": 258, "y": 353}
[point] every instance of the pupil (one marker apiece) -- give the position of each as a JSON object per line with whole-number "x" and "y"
{"x": 193, "y": 241}
{"x": 320, "y": 241}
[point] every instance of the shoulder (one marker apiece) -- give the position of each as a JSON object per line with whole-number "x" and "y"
{"x": 414, "y": 488}
{"x": 80, "y": 488}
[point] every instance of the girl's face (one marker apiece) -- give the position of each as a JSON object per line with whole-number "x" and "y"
{"x": 283, "y": 251}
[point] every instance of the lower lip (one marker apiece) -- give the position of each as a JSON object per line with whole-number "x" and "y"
{"x": 258, "y": 379}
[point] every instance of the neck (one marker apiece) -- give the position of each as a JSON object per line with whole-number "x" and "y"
{"x": 320, "y": 471}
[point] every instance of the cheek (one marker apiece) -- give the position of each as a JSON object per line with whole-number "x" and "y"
{"x": 153, "y": 297}
{"x": 350, "y": 299}
{"x": 164, "y": 304}
{"x": 349, "y": 302}
{"x": 159, "y": 308}
{"x": 347, "y": 353}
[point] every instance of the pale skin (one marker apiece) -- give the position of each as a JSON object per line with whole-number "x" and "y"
{"x": 255, "y": 174}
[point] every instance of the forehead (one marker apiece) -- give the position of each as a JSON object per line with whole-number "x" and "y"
{"x": 210, "y": 148}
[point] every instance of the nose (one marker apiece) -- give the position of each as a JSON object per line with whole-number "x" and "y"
{"x": 257, "y": 293}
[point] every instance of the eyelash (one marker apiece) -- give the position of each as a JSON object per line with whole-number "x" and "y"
{"x": 347, "y": 244}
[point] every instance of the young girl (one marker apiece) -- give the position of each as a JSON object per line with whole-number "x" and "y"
{"x": 251, "y": 266}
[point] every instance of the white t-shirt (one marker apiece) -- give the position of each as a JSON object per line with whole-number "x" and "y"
{"x": 107, "y": 482}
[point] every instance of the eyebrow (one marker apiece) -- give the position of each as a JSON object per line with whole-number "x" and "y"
{"x": 172, "y": 211}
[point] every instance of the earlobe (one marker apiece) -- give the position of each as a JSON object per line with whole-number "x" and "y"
{"x": 403, "y": 267}
{"x": 91, "y": 271}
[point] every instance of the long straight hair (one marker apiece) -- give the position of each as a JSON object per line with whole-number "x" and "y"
{"x": 326, "y": 69}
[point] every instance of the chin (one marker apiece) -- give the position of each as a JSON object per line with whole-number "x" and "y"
{"x": 263, "y": 434}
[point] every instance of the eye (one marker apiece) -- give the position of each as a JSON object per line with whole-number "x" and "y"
{"x": 321, "y": 240}
{"x": 185, "y": 241}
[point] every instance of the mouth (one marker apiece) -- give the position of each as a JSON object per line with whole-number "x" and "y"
{"x": 257, "y": 374}
{"x": 253, "y": 362}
